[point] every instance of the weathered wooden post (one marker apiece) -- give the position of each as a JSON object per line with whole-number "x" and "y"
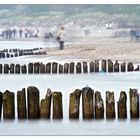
{"x": 74, "y": 104}
{"x": 96, "y": 65}
{"x": 17, "y": 69}
{"x": 78, "y": 68}
{"x": 54, "y": 67}
{"x": 110, "y": 66}
{"x": 85, "y": 67}
{"x": 57, "y": 105}
{"x": 12, "y": 68}
{"x": 1, "y": 100}
{"x": 21, "y": 104}
{"x": 103, "y": 65}
{"x": 122, "y": 106}
{"x": 42, "y": 68}
{"x": 1, "y": 67}
{"x": 48, "y": 68}
{"x": 36, "y": 68}
{"x": 45, "y": 111}
{"x": 30, "y": 68}
{"x": 23, "y": 69}
{"x": 72, "y": 65}
{"x": 137, "y": 69}
{"x": 8, "y": 105}
{"x": 99, "y": 106}
{"x": 116, "y": 66}
{"x": 123, "y": 67}
{"x": 130, "y": 67}
{"x": 33, "y": 102}
{"x": 92, "y": 67}
{"x": 6, "y": 68}
{"x": 87, "y": 103}
{"x": 60, "y": 68}
{"x": 66, "y": 68}
{"x": 134, "y": 103}
{"x": 7, "y": 55}
{"x": 110, "y": 105}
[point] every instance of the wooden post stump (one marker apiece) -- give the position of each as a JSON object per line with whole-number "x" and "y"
{"x": 30, "y": 68}
{"x": 21, "y": 104}
{"x": 45, "y": 111}
{"x": 17, "y": 69}
{"x": 6, "y": 68}
{"x": 92, "y": 67}
{"x": 66, "y": 68}
{"x": 123, "y": 67}
{"x": 60, "y": 68}
{"x": 99, "y": 106}
{"x": 87, "y": 103}
{"x": 96, "y": 65}
{"x": 54, "y": 67}
{"x": 57, "y": 105}
{"x": 110, "y": 66}
{"x": 1, "y": 67}
{"x": 74, "y": 104}
{"x": 48, "y": 68}
{"x": 8, "y": 105}
{"x": 12, "y": 68}
{"x": 134, "y": 103}
{"x": 72, "y": 64}
{"x": 78, "y": 68}
{"x": 33, "y": 102}
{"x": 1, "y": 100}
{"x": 36, "y": 68}
{"x": 23, "y": 69}
{"x": 130, "y": 67}
{"x": 42, "y": 68}
{"x": 116, "y": 67}
{"x": 110, "y": 105}
{"x": 122, "y": 106}
{"x": 103, "y": 65}
{"x": 85, "y": 67}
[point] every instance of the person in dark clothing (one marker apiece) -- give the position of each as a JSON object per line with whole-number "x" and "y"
{"x": 20, "y": 33}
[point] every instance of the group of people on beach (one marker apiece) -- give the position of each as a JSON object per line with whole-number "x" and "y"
{"x": 9, "y": 33}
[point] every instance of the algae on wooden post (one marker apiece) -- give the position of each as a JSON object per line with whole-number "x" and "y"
{"x": 134, "y": 103}
{"x": 30, "y": 68}
{"x": 72, "y": 64}
{"x": 21, "y": 104}
{"x": 96, "y": 65}
{"x": 74, "y": 103}
{"x": 8, "y": 105}
{"x": 78, "y": 68}
{"x": 57, "y": 105}
{"x": 23, "y": 69}
{"x": 12, "y": 68}
{"x": 110, "y": 66}
{"x": 45, "y": 111}
{"x": 110, "y": 105}
{"x": 85, "y": 67}
{"x": 33, "y": 102}
{"x": 54, "y": 67}
{"x": 99, "y": 106}
{"x": 116, "y": 67}
{"x": 122, "y": 106}
{"x": 87, "y": 103}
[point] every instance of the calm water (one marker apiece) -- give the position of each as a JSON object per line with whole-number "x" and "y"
{"x": 67, "y": 84}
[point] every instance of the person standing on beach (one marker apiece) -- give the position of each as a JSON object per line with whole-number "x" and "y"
{"x": 60, "y": 38}
{"x": 20, "y": 33}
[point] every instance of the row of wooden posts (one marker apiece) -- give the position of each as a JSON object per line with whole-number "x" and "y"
{"x": 72, "y": 67}
{"x": 93, "y": 105}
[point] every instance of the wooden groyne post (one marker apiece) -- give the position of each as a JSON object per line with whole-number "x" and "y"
{"x": 48, "y": 68}
{"x": 21, "y": 104}
{"x": 103, "y": 65}
{"x": 57, "y": 105}
{"x": 96, "y": 65}
{"x": 78, "y": 68}
{"x": 99, "y": 106}
{"x": 110, "y": 66}
{"x": 74, "y": 104}
{"x": 72, "y": 65}
{"x": 12, "y": 68}
{"x": 85, "y": 68}
{"x": 1, "y": 67}
{"x": 8, "y": 105}
{"x": 87, "y": 103}
{"x": 24, "y": 69}
{"x": 30, "y": 68}
{"x": 122, "y": 106}
{"x": 134, "y": 103}
{"x": 54, "y": 67}
{"x": 6, "y": 68}
{"x": 45, "y": 111}
{"x": 66, "y": 68}
{"x": 110, "y": 105}
{"x": 92, "y": 67}
{"x": 130, "y": 67}
{"x": 33, "y": 102}
{"x": 1, "y": 100}
{"x": 17, "y": 69}
{"x": 123, "y": 67}
{"x": 60, "y": 68}
{"x": 36, "y": 67}
{"x": 116, "y": 67}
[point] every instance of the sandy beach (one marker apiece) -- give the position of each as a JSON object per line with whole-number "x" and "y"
{"x": 100, "y": 48}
